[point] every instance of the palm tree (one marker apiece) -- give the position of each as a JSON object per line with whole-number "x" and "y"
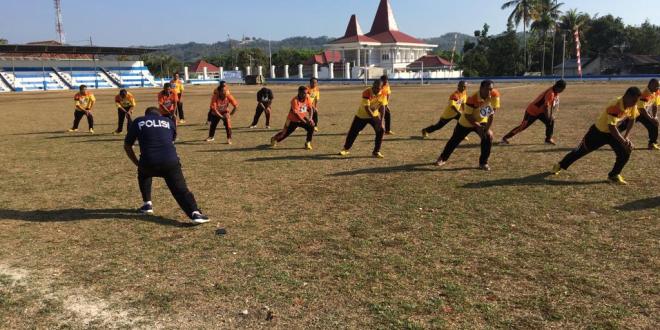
{"x": 523, "y": 10}
{"x": 572, "y": 21}
{"x": 547, "y": 13}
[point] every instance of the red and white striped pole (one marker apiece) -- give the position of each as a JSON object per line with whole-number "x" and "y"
{"x": 576, "y": 34}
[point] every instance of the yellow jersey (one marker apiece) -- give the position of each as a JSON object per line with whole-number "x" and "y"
{"x": 314, "y": 94}
{"x": 371, "y": 100}
{"x": 613, "y": 114}
{"x": 456, "y": 101}
{"x": 177, "y": 85}
{"x": 480, "y": 109}
{"x": 84, "y": 101}
{"x": 648, "y": 100}
{"x": 386, "y": 91}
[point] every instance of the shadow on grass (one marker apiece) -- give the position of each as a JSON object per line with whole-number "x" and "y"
{"x": 421, "y": 167}
{"x": 257, "y": 148}
{"x": 333, "y": 156}
{"x": 101, "y": 140}
{"x": 532, "y": 180}
{"x": 66, "y": 215}
{"x": 542, "y": 151}
{"x": 40, "y": 133}
{"x": 642, "y": 204}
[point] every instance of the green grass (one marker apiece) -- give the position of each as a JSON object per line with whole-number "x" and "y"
{"x": 327, "y": 242}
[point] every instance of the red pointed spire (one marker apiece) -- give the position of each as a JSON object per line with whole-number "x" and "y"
{"x": 353, "y": 28}
{"x": 384, "y": 20}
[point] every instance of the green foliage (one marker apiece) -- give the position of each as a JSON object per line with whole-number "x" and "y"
{"x": 3, "y": 41}
{"x": 604, "y": 33}
{"x": 644, "y": 39}
{"x": 292, "y": 56}
{"x": 162, "y": 65}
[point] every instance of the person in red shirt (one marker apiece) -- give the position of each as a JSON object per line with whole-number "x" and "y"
{"x": 167, "y": 102}
{"x": 301, "y": 105}
{"x": 542, "y": 108}
{"x": 220, "y": 111}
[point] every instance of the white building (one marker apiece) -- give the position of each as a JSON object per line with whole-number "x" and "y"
{"x": 384, "y": 47}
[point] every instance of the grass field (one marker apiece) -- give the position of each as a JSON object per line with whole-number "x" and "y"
{"x": 319, "y": 241}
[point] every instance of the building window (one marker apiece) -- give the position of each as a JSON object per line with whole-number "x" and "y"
{"x": 385, "y": 57}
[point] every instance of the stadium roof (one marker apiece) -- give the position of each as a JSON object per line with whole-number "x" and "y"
{"x": 78, "y": 50}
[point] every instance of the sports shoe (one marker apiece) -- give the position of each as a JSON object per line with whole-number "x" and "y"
{"x": 466, "y": 139}
{"x": 147, "y": 208}
{"x": 229, "y": 141}
{"x": 199, "y": 218}
{"x": 389, "y": 133}
{"x": 378, "y": 155}
{"x": 344, "y": 153}
{"x": 273, "y": 142}
{"x": 91, "y": 131}
{"x": 253, "y": 126}
{"x": 654, "y": 146}
{"x": 182, "y": 121}
{"x": 72, "y": 130}
{"x": 316, "y": 129}
{"x": 551, "y": 141}
{"x": 440, "y": 162}
{"x": 618, "y": 179}
{"x": 308, "y": 146}
{"x": 209, "y": 139}
{"x": 505, "y": 141}
{"x": 267, "y": 127}
{"x": 116, "y": 132}
{"x": 484, "y": 167}
{"x": 556, "y": 169}
{"x": 425, "y": 134}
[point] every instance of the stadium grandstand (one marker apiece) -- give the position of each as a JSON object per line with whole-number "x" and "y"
{"x": 51, "y": 65}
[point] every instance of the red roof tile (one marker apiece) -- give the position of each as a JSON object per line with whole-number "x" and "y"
{"x": 328, "y": 56}
{"x": 430, "y": 61}
{"x": 353, "y": 33}
{"x": 199, "y": 67}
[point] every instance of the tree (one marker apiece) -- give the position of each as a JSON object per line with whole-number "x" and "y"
{"x": 3, "y": 41}
{"x": 643, "y": 40}
{"x": 605, "y": 33}
{"x": 292, "y": 56}
{"x": 572, "y": 21}
{"x": 523, "y": 10}
{"x": 547, "y": 14}
{"x": 161, "y": 65}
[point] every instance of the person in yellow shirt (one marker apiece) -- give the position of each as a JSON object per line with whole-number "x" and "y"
{"x": 477, "y": 117}
{"x": 386, "y": 116}
{"x": 84, "y": 103}
{"x": 125, "y": 103}
{"x": 605, "y": 131}
{"x": 368, "y": 114}
{"x": 453, "y": 110}
{"x": 648, "y": 113}
{"x": 314, "y": 93}
{"x": 177, "y": 85}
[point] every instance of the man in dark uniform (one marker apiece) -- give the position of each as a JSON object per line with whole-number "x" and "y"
{"x": 264, "y": 102}
{"x": 158, "y": 158}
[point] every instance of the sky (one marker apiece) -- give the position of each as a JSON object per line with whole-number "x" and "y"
{"x": 150, "y": 22}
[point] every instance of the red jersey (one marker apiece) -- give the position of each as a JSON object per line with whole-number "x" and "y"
{"x": 299, "y": 110}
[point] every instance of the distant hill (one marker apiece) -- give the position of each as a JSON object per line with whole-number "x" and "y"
{"x": 192, "y": 51}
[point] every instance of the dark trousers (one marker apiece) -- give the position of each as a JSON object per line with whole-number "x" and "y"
{"x": 179, "y": 108}
{"x": 257, "y": 114}
{"x": 215, "y": 120}
{"x": 315, "y": 116}
{"x": 121, "y": 115}
{"x": 594, "y": 140}
{"x": 175, "y": 182}
{"x": 651, "y": 126}
{"x": 291, "y": 127}
{"x": 387, "y": 117}
{"x": 77, "y": 116}
{"x": 528, "y": 120}
{"x": 460, "y": 132}
{"x": 358, "y": 125}
{"x": 440, "y": 124}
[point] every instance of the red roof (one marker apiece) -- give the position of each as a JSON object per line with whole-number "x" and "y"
{"x": 48, "y": 55}
{"x": 201, "y": 64}
{"x": 384, "y": 28}
{"x": 430, "y": 61}
{"x": 353, "y": 33}
{"x": 328, "y": 56}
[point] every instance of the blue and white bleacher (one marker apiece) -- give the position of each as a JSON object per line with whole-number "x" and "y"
{"x": 133, "y": 76}
{"x": 34, "y": 79}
